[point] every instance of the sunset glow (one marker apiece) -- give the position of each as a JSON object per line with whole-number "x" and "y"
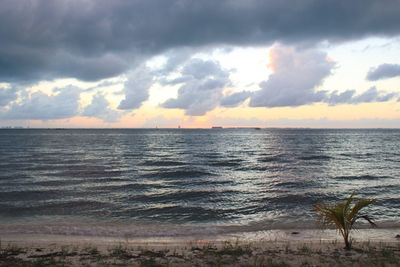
{"x": 309, "y": 82}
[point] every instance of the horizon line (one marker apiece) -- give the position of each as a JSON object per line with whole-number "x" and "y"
{"x": 191, "y": 128}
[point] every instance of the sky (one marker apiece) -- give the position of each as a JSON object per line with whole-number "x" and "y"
{"x": 195, "y": 64}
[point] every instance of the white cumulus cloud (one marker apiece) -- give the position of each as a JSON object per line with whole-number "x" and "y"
{"x": 100, "y": 108}
{"x": 40, "y": 106}
{"x": 202, "y": 84}
{"x": 296, "y": 75}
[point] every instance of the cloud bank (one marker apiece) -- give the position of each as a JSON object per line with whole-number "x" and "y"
{"x": 136, "y": 88}
{"x": 296, "y": 74}
{"x": 350, "y": 97}
{"x": 235, "y": 99}
{"x": 7, "y": 95}
{"x": 97, "y": 39}
{"x": 100, "y": 108}
{"x": 202, "y": 84}
{"x": 92, "y": 40}
{"x": 297, "y": 79}
{"x": 40, "y": 106}
{"x": 383, "y": 71}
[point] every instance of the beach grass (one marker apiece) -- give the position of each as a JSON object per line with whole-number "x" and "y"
{"x": 268, "y": 254}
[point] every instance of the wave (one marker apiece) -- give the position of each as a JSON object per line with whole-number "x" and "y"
{"x": 30, "y": 195}
{"x": 163, "y": 163}
{"x": 177, "y": 174}
{"x": 299, "y": 200}
{"x": 361, "y": 177}
{"x": 182, "y": 196}
{"x": 389, "y": 201}
{"x": 92, "y": 172}
{"x": 226, "y": 163}
{"x": 130, "y": 187}
{"x": 274, "y": 158}
{"x": 210, "y": 155}
{"x": 117, "y": 173}
{"x": 201, "y": 182}
{"x": 178, "y": 213}
{"x": 65, "y": 207}
{"x": 357, "y": 155}
{"x": 57, "y": 183}
{"x": 295, "y": 185}
{"x": 315, "y": 157}
{"x": 373, "y": 190}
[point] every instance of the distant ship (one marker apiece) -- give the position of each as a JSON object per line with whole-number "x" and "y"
{"x": 216, "y": 127}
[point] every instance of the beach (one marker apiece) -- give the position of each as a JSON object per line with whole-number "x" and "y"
{"x": 199, "y": 133}
{"x": 284, "y": 247}
{"x": 220, "y": 197}
{"x": 52, "y": 250}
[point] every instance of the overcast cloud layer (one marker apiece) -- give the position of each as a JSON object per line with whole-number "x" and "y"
{"x": 96, "y": 39}
{"x": 91, "y": 40}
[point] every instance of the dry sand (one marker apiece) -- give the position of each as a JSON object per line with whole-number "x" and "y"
{"x": 31, "y": 250}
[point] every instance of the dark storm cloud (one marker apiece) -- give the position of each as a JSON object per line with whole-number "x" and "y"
{"x": 383, "y": 71}
{"x": 95, "y": 39}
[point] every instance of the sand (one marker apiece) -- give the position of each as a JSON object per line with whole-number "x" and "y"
{"x": 59, "y": 250}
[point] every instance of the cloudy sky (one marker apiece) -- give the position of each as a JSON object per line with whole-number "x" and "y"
{"x": 164, "y": 63}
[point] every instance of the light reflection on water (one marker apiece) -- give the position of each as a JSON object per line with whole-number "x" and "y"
{"x": 218, "y": 177}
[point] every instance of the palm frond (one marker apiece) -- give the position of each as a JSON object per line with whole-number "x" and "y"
{"x": 343, "y": 215}
{"x": 348, "y": 202}
{"x": 369, "y": 219}
{"x": 360, "y": 204}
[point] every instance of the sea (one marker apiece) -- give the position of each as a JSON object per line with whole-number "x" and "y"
{"x": 140, "y": 183}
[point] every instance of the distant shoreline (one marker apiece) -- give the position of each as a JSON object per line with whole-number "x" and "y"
{"x": 205, "y": 128}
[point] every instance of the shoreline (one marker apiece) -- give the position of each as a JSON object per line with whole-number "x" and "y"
{"x": 113, "y": 244}
{"x": 376, "y": 235}
{"x": 142, "y": 229}
{"x": 50, "y": 250}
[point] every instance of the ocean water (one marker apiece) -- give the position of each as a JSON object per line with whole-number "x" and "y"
{"x": 190, "y": 181}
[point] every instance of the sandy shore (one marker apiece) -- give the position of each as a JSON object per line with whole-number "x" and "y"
{"x": 63, "y": 250}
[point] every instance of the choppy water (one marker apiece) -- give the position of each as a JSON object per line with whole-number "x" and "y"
{"x": 216, "y": 178}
